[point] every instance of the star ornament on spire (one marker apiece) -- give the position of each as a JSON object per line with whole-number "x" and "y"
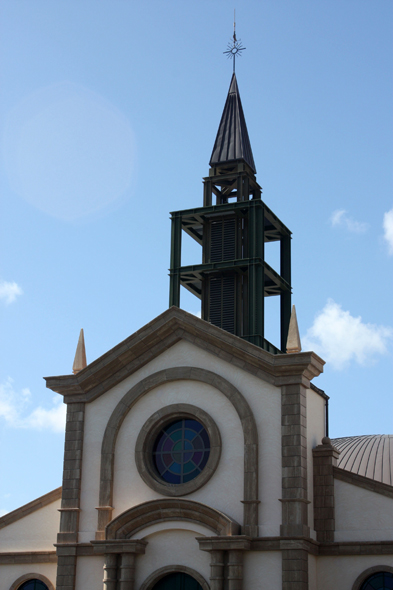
{"x": 234, "y": 47}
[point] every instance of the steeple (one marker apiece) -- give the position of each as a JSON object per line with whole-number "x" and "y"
{"x": 233, "y": 227}
{"x": 232, "y": 141}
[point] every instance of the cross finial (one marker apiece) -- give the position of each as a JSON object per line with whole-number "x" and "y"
{"x": 234, "y": 47}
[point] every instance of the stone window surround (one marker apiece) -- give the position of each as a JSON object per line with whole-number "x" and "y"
{"x": 139, "y": 517}
{"x": 156, "y": 576}
{"x": 369, "y": 572}
{"x": 32, "y": 576}
{"x": 148, "y": 435}
{"x": 250, "y": 499}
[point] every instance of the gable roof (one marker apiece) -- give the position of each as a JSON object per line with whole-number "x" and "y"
{"x": 232, "y": 141}
{"x": 27, "y": 509}
{"x": 163, "y": 332}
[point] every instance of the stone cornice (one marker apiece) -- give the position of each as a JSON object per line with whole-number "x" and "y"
{"x": 16, "y": 557}
{"x": 166, "y": 330}
{"x": 252, "y": 544}
{"x": 30, "y": 507}
{"x": 363, "y": 482}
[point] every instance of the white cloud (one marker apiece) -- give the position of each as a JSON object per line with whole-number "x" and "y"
{"x": 9, "y": 292}
{"x": 341, "y": 338}
{"x": 340, "y": 218}
{"x": 388, "y": 229}
{"x": 14, "y": 408}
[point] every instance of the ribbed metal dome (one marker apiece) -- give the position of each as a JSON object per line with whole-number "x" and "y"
{"x": 369, "y": 455}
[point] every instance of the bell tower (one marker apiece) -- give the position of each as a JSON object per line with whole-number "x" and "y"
{"x": 232, "y": 228}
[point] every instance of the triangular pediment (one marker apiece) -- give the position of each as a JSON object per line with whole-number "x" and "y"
{"x": 164, "y": 332}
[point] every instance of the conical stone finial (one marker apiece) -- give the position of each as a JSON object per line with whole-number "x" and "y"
{"x": 80, "y": 355}
{"x": 293, "y": 340}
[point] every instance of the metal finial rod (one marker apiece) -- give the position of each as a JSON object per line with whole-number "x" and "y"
{"x": 234, "y": 47}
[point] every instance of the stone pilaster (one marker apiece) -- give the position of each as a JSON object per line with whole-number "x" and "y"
{"x": 235, "y": 569}
{"x": 127, "y": 571}
{"x": 294, "y": 461}
{"x": 110, "y": 571}
{"x": 294, "y": 569}
{"x": 229, "y": 551}
{"x": 70, "y": 500}
{"x": 66, "y": 567}
{"x": 324, "y": 460}
{"x": 217, "y": 570}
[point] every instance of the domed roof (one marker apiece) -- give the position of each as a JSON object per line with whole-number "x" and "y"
{"x": 368, "y": 455}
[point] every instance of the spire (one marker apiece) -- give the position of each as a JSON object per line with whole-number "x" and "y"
{"x": 80, "y": 355}
{"x": 232, "y": 141}
{"x": 293, "y": 341}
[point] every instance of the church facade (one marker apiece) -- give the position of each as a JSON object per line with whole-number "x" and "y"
{"x": 196, "y": 452}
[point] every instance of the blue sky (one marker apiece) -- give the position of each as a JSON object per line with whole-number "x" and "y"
{"x": 108, "y": 115}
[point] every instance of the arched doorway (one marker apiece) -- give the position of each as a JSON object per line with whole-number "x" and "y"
{"x": 177, "y": 581}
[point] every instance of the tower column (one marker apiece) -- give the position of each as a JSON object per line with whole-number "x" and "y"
{"x": 285, "y": 296}
{"x": 174, "y": 286}
{"x": 256, "y": 276}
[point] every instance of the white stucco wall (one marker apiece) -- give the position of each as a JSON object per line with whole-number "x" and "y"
{"x": 315, "y": 433}
{"x": 229, "y": 474}
{"x": 340, "y": 573}
{"x": 312, "y": 572}
{"x": 35, "y": 532}
{"x": 361, "y": 514}
{"x": 264, "y": 399}
{"x": 171, "y": 547}
{"x": 89, "y": 573}
{"x": 10, "y": 573}
{"x": 262, "y": 570}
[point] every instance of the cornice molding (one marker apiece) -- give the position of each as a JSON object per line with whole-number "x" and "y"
{"x": 166, "y": 330}
{"x": 363, "y": 482}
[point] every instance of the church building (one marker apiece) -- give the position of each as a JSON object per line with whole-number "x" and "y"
{"x": 196, "y": 452}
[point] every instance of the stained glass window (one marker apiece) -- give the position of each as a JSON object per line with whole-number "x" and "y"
{"x": 33, "y": 585}
{"x": 181, "y": 451}
{"x": 379, "y": 581}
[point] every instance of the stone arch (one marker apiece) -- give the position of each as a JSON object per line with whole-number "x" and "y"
{"x": 369, "y": 572}
{"x": 250, "y": 434}
{"x": 156, "y": 576}
{"x": 31, "y": 576}
{"x": 139, "y": 517}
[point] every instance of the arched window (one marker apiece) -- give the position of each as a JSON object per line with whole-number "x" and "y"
{"x": 33, "y": 585}
{"x": 378, "y": 581}
{"x": 177, "y": 581}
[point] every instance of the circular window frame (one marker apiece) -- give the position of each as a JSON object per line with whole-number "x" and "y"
{"x": 147, "y": 438}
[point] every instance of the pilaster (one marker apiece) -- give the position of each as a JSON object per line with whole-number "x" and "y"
{"x": 324, "y": 460}
{"x": 70, "y": 501}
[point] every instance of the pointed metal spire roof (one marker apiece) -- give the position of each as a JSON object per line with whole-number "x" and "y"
{"x": 232, "y": 141}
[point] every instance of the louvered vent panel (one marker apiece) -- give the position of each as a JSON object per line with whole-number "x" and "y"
{"x": 215, "y": 302}
{"x": 228, "y": 251}
{"x": 222, "y": 303}
{"x": 228, "y": 304}
{"x": 216, "y": 242}
{"x": 223, "y": 240}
